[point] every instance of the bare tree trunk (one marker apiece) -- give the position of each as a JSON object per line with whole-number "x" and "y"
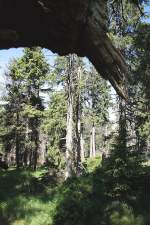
{"x": 17, "y": 143}
{"x": 82, "y": 146}
{"x": 35, "y": 155}
{"x": 78, "y": 119}
{"x": 36, "y": 125}
{"x": 93, "y": 140}
{"x": 69, "y": 139}
{"x": 69, "y": 130}
{"x": 26, "y": 151}
{"x": 42, "y": 148}
{"x": 91, "y": 145}
{"x": 78, "y": 134}
{"x": 79, "y": 125}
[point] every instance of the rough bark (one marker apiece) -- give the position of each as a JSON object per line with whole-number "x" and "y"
{"x": 78, "y": 116}
{"x": 78, "y": 133}
{"x": 66, "y": 26}
{"x": 42, "y": 148}
{"x": 69, "y": 129}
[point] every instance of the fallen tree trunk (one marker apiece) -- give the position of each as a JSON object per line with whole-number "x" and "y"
{"x": 64, "y": 26}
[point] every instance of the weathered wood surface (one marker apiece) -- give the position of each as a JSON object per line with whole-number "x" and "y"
{"x": 64, "y": 26}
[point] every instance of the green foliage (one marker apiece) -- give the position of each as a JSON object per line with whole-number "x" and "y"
{"x": 120, "y": 171}
{"x": 31, "y": 198}
{"x": 97, "y": 95}
{"x": 24, "y": 110}
{"x": 3, "y": 130}
{"x": 55, "y": 115}
{"x": 142, "y": 80}
{"x": 19, "y": 203}
{"x": 55, "y": 158}
{"x": 54, "y": 125}
{"x": 122, "y": 214}
{"x": 92, "y": 164}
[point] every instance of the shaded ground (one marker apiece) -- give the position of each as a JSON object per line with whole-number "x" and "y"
{"x": 24, "y": 200}
{"x": 32, "y": 198}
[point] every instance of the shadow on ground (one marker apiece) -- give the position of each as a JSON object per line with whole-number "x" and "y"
{"x": 23, "y": 197}
{"x": 98, "y": 199}
{"x": 94, "y": 199}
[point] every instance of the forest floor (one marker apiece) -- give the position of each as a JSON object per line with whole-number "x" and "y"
{"x": 33, "y": 198}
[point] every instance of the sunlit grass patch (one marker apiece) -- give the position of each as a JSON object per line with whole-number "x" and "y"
{"x": 31, "y": 210}
{"x": 93, "y": 163}
{"x": 76, "y": 201}
{"x": 19, "y": 202}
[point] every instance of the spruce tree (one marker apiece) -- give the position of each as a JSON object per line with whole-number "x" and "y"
{"x": 24, "y": 109}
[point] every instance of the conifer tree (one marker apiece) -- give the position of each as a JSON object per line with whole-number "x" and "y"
{"x": 97, "y": 104}
{"x": 24, "y": 109}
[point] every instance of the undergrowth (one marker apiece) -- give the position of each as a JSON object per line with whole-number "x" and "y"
{"x": 33, "y": 198}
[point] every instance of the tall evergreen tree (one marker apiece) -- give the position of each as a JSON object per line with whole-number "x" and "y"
{"x": 67, "y": 74}
{"x": 141, "y": 83}
{"x": 97, "y": 104}
{"x": 26, "y": 76}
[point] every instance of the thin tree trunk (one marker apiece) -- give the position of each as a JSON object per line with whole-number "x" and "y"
{"x": 17, "y": 152}
{"x": 79, "y": 126}
{"x": 34, "y": 148}
{"x": 91, "y": 145}
{"x": 93, "y": 141}
{"x": 82, "y": 146}
{"x": 78, "y": 131}
{"x": 36, "y": 132}
{"x": 69, "y": 129}
{"x": 26, "y": 152}
{"x": 35, "y": 154}
{"x": 17, "y": 143}
{"x": 69, "y": 139}
{"x": 33, "y": 143}
{"x": 42, "y": 148}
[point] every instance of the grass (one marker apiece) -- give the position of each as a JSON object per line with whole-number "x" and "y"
{"x": 93, "y": 163}
{"x": 21, "y": 201}
{"x": 32, "y": 198}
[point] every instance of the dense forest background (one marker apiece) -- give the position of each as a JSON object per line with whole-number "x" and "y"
{"x": 71, "y": 150}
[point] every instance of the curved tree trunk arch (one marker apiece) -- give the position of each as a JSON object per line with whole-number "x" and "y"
{"x": 64, "y": 26}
